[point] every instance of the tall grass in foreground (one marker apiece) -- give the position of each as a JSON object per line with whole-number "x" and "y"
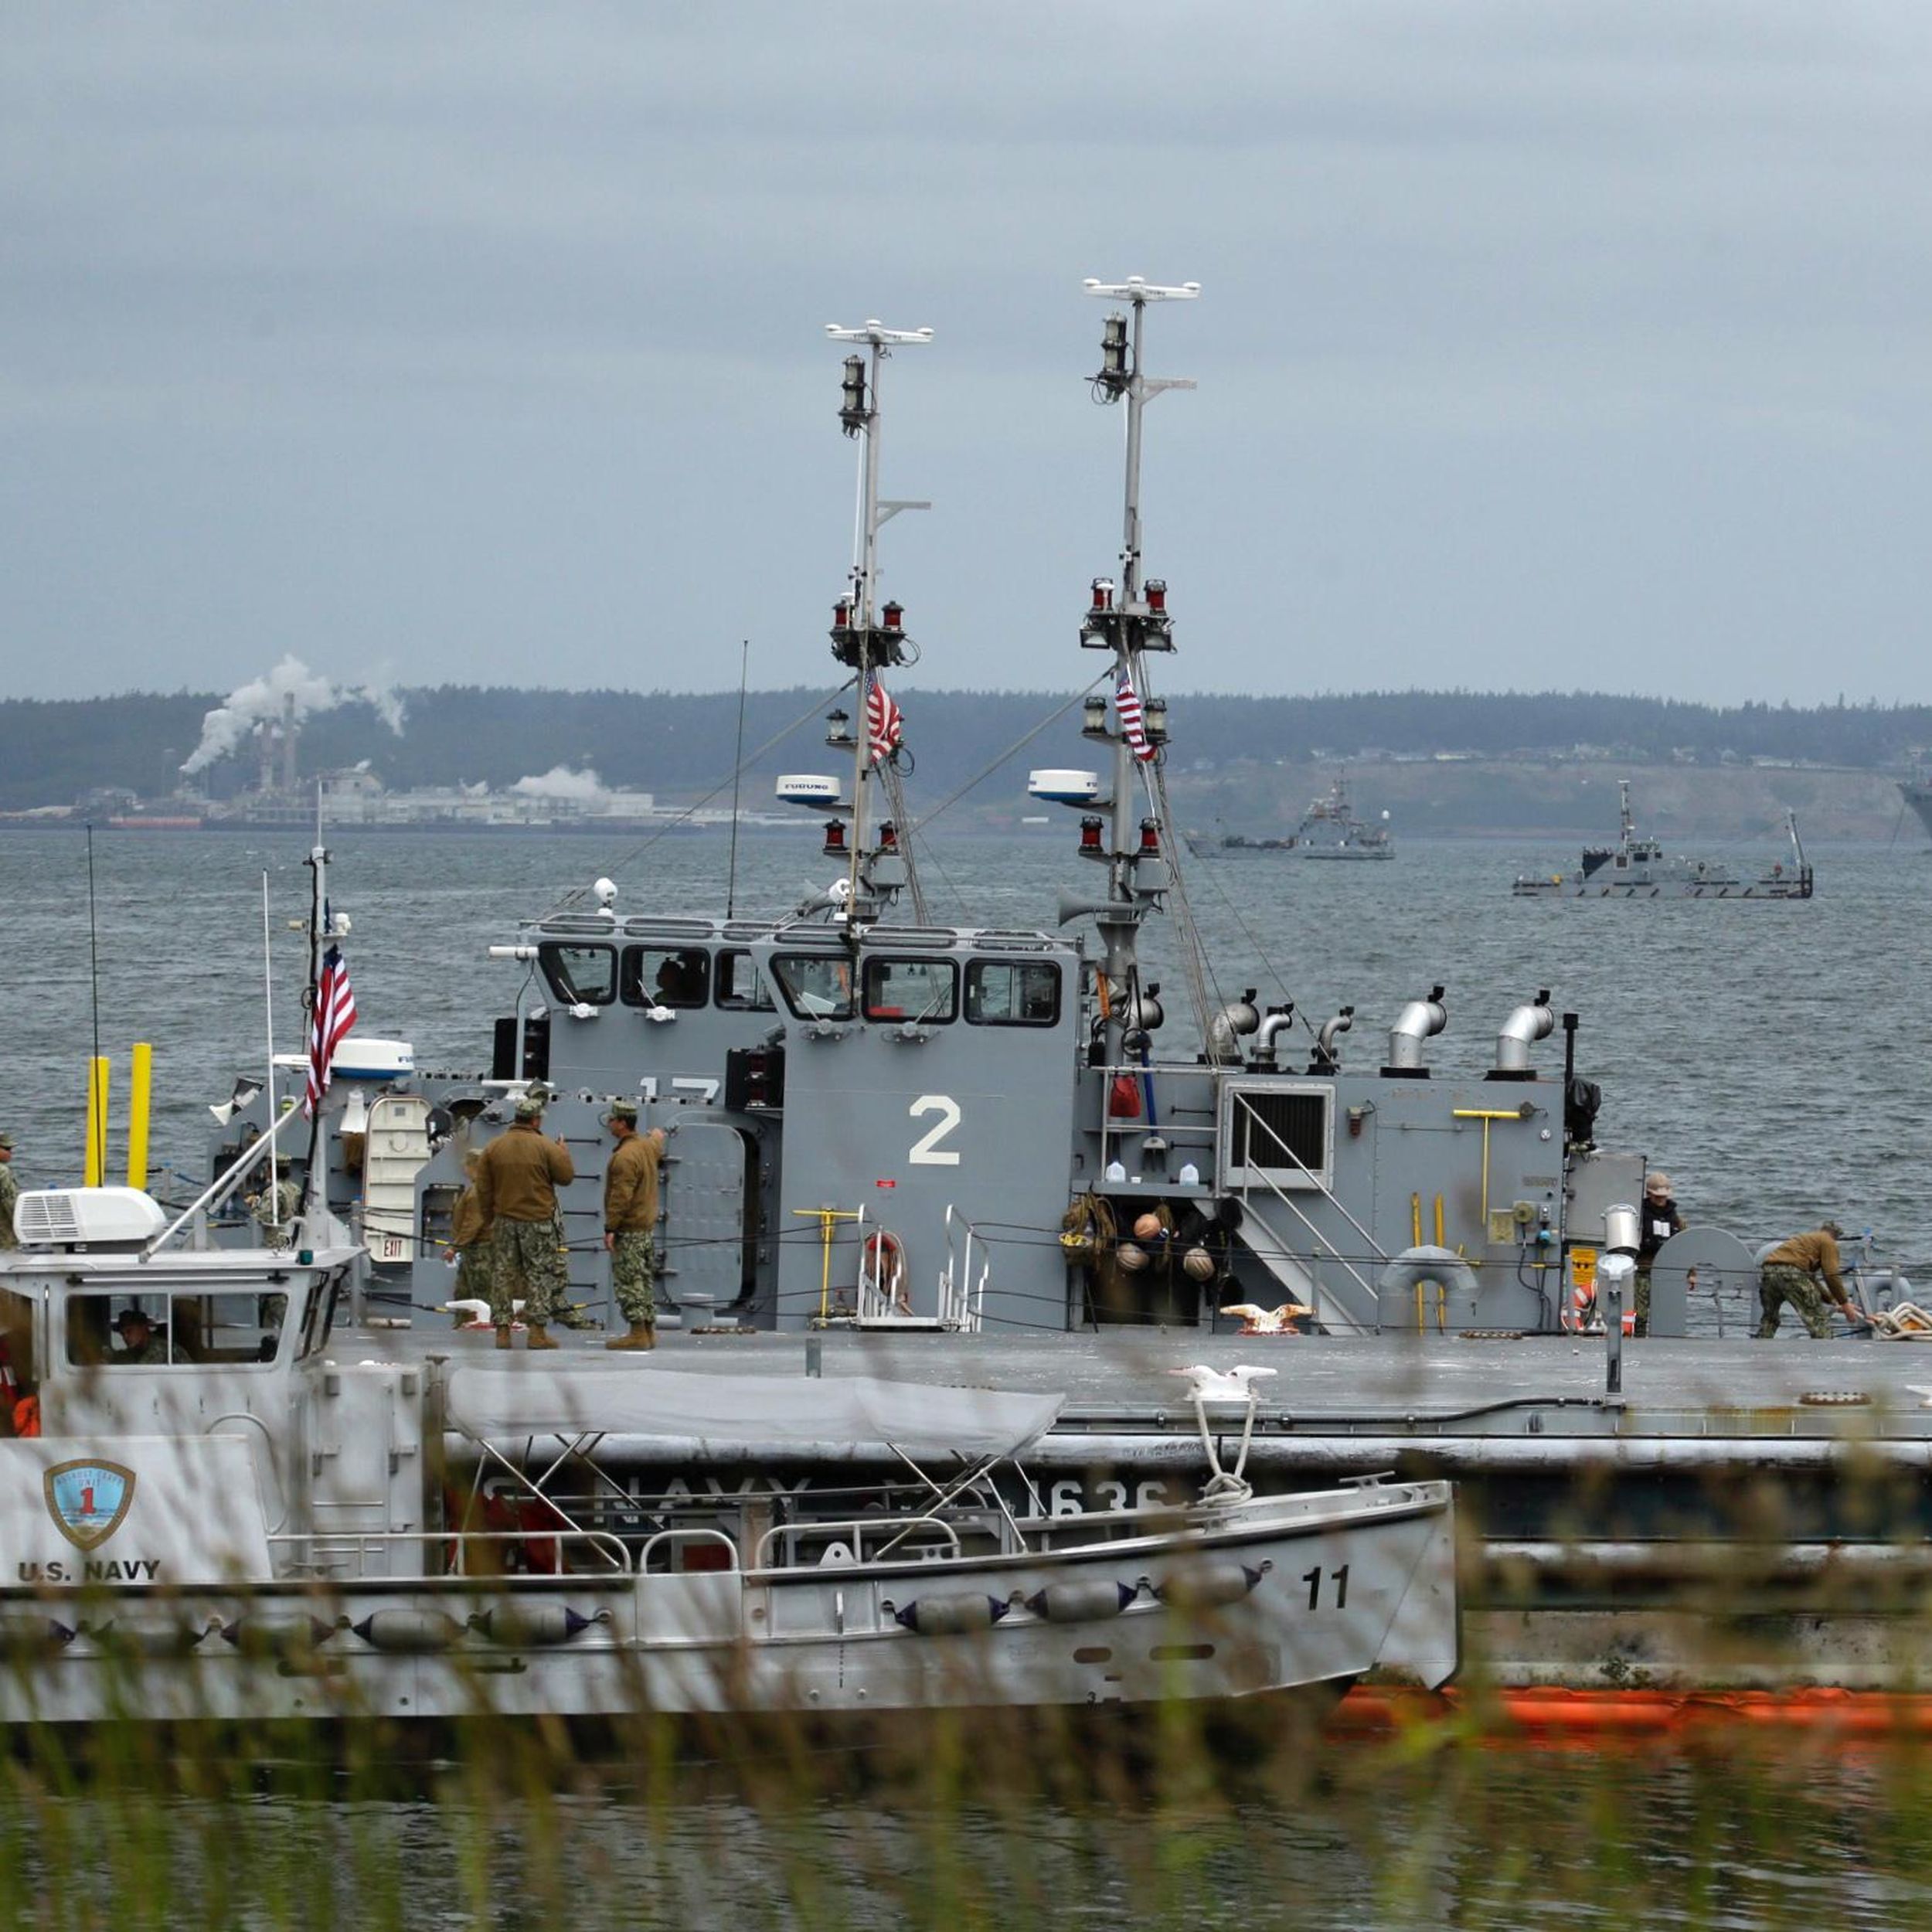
{"x": 1013, "y": 1825}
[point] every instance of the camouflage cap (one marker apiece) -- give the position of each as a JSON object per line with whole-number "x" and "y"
{"x": 1831, "y": 1228}
{"x": 622, "y": 1110}
{"x": 6, "y": 1141}
{"x": 530, "y": 1106}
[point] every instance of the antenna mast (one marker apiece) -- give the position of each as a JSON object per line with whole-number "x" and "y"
{"x": 1129, "y": 619}
{"x": 867, "y": 635}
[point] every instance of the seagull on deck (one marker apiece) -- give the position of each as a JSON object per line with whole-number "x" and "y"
{"x": 1256, "y": 1321}
{"x": 1208, "y": 1384}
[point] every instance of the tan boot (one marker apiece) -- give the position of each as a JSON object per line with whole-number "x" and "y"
{"x": 642, "y": 1336}
{"x": 539, "y": 1338}
{"x": 503, "y": 1334}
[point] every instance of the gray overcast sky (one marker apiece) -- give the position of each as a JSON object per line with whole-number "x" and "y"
{"x": 1541, "y": 346}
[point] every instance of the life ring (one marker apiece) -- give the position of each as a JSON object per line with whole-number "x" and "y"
{"x": 882, "y": 1267}
{"x": 1582, "y": 1317}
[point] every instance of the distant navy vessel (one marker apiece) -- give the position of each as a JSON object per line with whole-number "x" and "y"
{"x": 1918, "y": 795}
{"x": 1329, "y": 829}
{"x": 1639, "y": 868}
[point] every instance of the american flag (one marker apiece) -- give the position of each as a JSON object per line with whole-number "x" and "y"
{"x": 328, "y": 1026}
{"x": 1127, "y": 703}
{"x": 884, "y": 726}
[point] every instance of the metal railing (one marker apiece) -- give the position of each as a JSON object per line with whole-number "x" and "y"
{"x": 337, "y": 1545}
{"x": 962, "y": 1298}
{"x": 1370, "y": 1245}
{"x": 858, "y": 1530}
{"x": 680, "y": 1539}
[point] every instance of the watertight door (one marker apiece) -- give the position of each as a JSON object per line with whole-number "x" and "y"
{"x": 398, "y": 1145}
{"x": 703, "y": 1237}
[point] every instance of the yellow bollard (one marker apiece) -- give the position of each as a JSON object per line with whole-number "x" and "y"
{"x": 139, "y": 1079}
{"x": 97, "y": 1171}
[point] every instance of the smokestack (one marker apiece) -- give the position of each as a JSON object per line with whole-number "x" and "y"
{"x": 288, "y": 742}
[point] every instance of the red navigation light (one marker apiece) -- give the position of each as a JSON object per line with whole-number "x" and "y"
{"x": 1090, "y": 830}
{"x": 835, "y": 846}
{"x": 888, "y": 837}
{"x": 841, "y": 615}
{"x": 894, "y": 615}
{"x": 1103, "y": 594}
{"x": 1157, "y": 595}
{"x": 1150, "y": 838}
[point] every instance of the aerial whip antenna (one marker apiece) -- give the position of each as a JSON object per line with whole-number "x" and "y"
{"x": 737, "y": 773}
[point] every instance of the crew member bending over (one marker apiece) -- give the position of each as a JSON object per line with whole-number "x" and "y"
{"x": 1793, "y": 1272}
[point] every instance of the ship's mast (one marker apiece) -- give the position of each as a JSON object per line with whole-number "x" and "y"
{"x": 866, "y": 634}
{"x": 1131, "y": 620}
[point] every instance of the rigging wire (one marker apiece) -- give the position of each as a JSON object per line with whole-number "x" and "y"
{"x": 577, "y": 893}
{"x": 1018, "y": 744}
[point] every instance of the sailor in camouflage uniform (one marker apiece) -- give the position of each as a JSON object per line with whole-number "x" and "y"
{"x": 1792, "y": 1272}
{"x": 9, "y": 1193}
{"x": 631, "y": 1221}
{"x": 276, "y": 1206}
{"x": 516, "y": 1185}
{"x": 470, "y": 1239}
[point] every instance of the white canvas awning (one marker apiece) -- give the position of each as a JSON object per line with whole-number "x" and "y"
{"x": 745, "y": 1417}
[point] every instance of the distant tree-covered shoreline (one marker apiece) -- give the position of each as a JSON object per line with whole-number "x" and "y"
{"x": 52, "y": 752}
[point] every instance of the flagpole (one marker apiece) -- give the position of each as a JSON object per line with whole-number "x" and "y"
{"x": 317, "y": 863}
{"x": 268, "y": 998}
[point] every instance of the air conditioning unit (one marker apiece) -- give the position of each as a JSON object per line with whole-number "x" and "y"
{"x": 89, "y": 1216}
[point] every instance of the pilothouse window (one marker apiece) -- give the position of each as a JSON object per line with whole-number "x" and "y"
{"x": 579, "y": 975}
{"x": 1012, "y": 992}
{"x": 816, "y": 985}
{"x": 925, "y": 990}
{"x": 159, "y": 1331}
{"x": 666, "y": 976}
{"x": 739, "y": 989}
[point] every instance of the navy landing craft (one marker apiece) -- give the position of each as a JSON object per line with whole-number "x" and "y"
{"x": 968, "y": 1154}
{"x": 228, "y": 1520}
{"x": 1639, "y": 868}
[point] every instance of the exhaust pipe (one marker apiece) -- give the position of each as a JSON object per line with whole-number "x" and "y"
{"x": 1421, "y": 1019}
{"x": 1326, "y": 1059}
{"x": 1228, "y": 1026}
{"x": 1520, "y": 1032}
{"x": 1279, "y": 1019}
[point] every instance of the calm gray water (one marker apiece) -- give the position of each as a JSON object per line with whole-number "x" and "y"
{"x": 1773, "y": 1057}
{"x": 1483, "y": 1840}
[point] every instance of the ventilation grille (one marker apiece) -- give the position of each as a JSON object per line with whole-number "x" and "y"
{"x": 1276, "y": 1135}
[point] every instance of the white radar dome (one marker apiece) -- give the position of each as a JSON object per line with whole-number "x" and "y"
{"x": 1064, "y": 787}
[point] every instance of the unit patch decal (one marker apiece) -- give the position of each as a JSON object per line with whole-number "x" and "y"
{"x": 88, "y": 1500}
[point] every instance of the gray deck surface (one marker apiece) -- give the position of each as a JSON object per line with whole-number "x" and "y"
{"x": 1123, "y": 1379}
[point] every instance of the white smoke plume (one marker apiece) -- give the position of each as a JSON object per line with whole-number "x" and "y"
{"x": 561, "y": 782}
{"x": 225, "y": 728}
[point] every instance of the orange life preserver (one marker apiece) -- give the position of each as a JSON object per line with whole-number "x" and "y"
{"x": 26, "y": 1416}
{"x": 882, "y": 1263}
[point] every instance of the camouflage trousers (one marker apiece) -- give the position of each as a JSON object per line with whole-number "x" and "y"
{"x": 526, "y": 1259}
{"x": 474, "y": 1267}
{"x": 1643, "y": 1302}
{"x": 1778, "y": 1285}
{"x": 634, "y": 1274}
